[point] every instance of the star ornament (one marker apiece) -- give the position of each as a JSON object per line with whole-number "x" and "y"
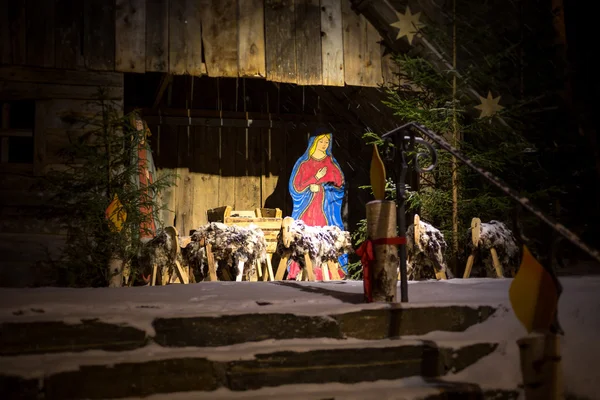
{"x": 408, "y": 24}
{"x": 489, "y": 105}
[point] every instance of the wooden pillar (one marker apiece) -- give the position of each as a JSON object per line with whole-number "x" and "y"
{"x": 381, "y": 223}
{"x": 5, "y": 125}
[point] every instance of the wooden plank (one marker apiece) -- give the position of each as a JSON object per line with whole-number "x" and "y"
{"x": 275, "y": 179}
{"x": 309, "y": 65}
{"x": 372, "y": 74}
{"x": 296, "y": 143}
{"x": 40, "y": 33}
{"x": 251, "y": 43}
{"x": 17, "y": 32}
{"x": 157, "y": 36}
{"x": 167, "y": 199}
{"x": 59, "y": 76}
{"x": 254, "y": 162}
{"x": 220, "y": 37}
{"x": 99, "y": 34}
{"x": 130, "y": 36}
{"x": 243, "y": 200}
{"x": 332, "y": 42}
{"x": 280, "y": 41}
{"x": 273, "y": 223}
{"x": 42, "y": 117}
{"x": 184, "y": 198}
{"x": 41, "y": 91}
{"x": 68, "y": 27}
{"x": 5, "y": 54}
{"x": 205, "y": 170}
{"x": 227, "y": 167}
{"x": 389, "y": 70}
{"x": 185, "y": 40}
{"x": 354, "y": 45}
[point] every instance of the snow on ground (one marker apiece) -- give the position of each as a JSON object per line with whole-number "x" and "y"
{"x": 579, "y": 314}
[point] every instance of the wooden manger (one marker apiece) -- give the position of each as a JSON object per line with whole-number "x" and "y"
{"x": 267, "y": 219}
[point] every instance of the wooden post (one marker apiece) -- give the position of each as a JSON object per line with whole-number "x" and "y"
{"x": 5, "y": 125}
{"x": 381, "y": 223}
{"x": 541, "y": 366}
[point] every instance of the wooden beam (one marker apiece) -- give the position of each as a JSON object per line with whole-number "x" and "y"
{"x": 164, "y": 84}
{"x": 298, "y": 118}
{"x": 60, "y": 76}
{"x": 10, "y": 91}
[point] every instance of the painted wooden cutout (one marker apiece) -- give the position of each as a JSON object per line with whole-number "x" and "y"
{"x": 317, "y": 189}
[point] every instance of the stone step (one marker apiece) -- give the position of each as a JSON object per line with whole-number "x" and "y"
{"x": 53, "y": 335}
{"x": 156, "y": 369}
{"x": 399, "y": 389}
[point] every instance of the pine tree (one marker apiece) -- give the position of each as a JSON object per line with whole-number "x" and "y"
{"x": 513, "y": 143}
{"x": 101, "y": 165}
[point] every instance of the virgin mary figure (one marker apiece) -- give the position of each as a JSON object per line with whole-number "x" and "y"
{"x": 317, "y": 189}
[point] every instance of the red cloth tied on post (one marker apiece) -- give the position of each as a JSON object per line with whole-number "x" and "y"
{"x": 367, "y": 256}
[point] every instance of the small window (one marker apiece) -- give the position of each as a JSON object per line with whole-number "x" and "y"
{"x": 16, "y": 132}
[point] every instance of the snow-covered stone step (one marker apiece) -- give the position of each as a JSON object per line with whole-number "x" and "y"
{"x": 155, "y": 369}
{"x": 415, "y": 388}
{"x": 44, "y": 333}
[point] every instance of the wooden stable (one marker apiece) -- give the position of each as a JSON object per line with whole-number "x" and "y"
{"x": 230, "y": 91}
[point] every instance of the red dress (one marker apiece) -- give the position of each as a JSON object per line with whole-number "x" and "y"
{"x": 314, "y": 214}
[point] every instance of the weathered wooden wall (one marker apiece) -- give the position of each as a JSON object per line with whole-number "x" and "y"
{"x": 307, "y": 42}
{"x": 224, "y": 162}
{"x": 26, "y": 239}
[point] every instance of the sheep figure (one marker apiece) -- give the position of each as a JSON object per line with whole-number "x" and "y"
{"x": 161, "y": 251}
{"x": 320, "y": 243}
{"x": 194, "y": 256}
{"x": 488, "y": 241}
{"x": 425, "y": 257}
{"x": 231, "y": 244}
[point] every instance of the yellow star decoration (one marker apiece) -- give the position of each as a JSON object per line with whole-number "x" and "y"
{"x": 489, "y": 105}
{"x": 408, "y": 24}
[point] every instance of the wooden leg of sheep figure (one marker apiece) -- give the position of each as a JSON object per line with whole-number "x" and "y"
{"x": 425, "y": 248}
{"x": 286, "y": 237}
{"x": 492, "y": 236}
